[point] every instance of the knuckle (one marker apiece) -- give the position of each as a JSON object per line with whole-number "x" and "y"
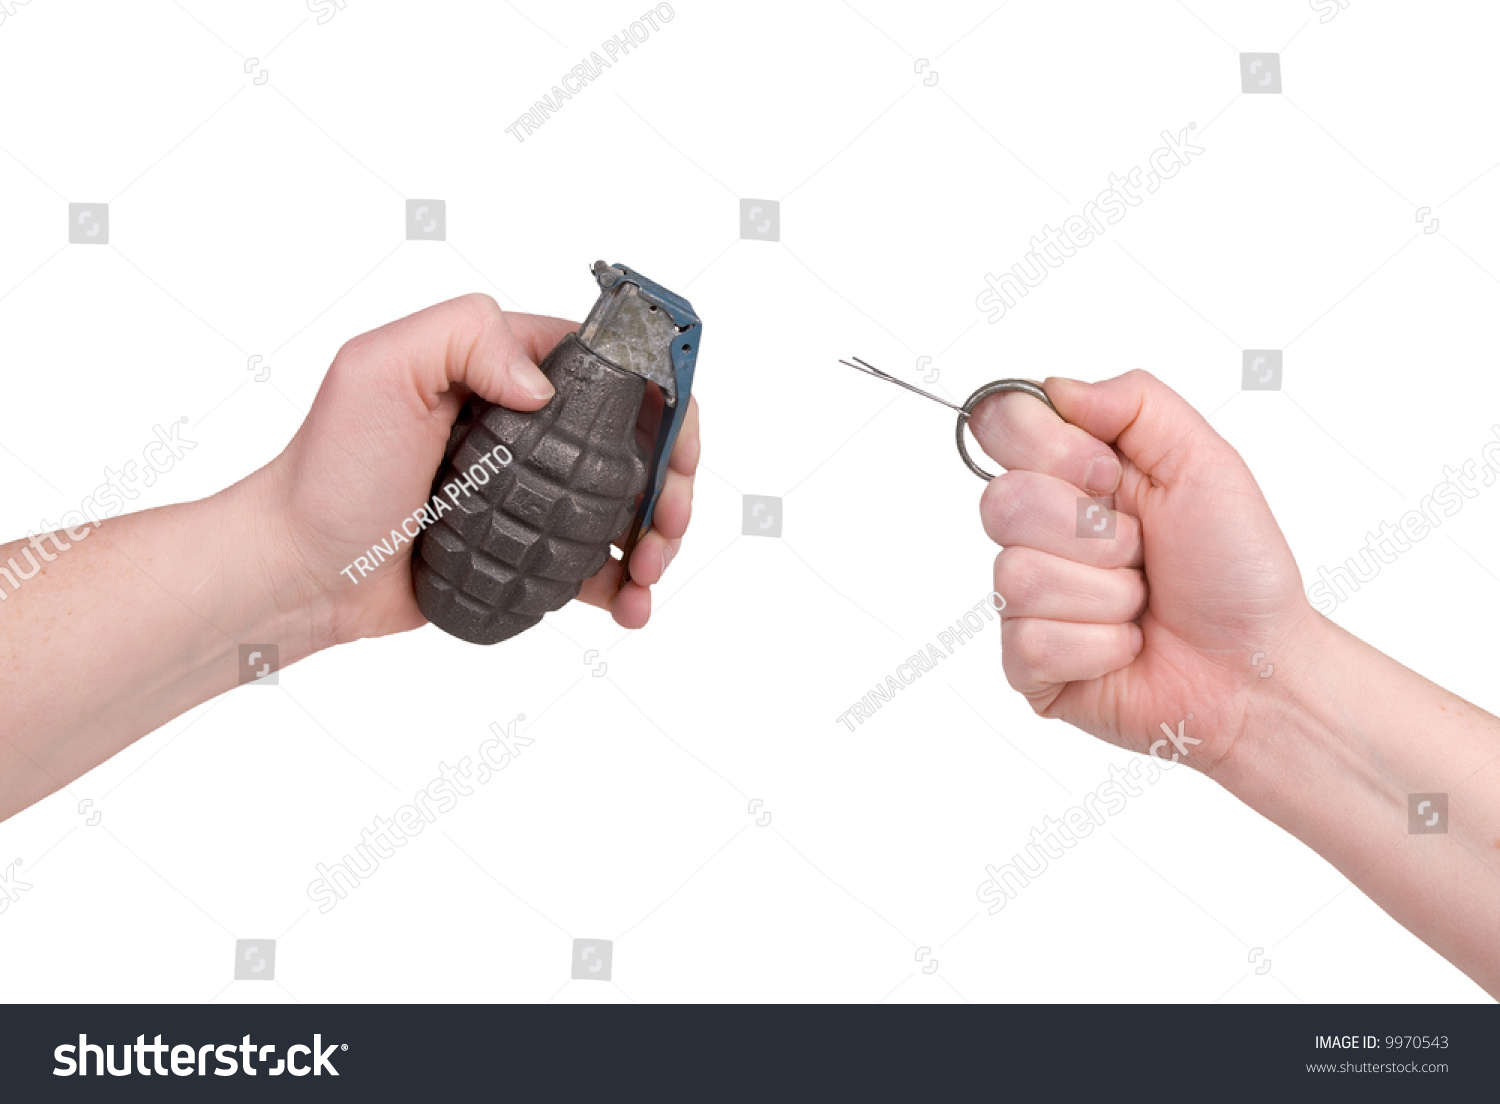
{"x": 1018, "y": 578}
{"x": 355, "y": 349}
{"x": 1139, "y": 594}
{"x": 482, "y": 302}
{"x": 1002, "y": 502}
{"x": 1015, "y": 675}
{"x": 481, "y": 312}
{"x": 1023, "y": 651}
{"x": 1041, "y": 704}
{"x": 1031, "y": 648}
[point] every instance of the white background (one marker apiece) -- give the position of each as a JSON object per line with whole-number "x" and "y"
{"x": 267, "y": 219}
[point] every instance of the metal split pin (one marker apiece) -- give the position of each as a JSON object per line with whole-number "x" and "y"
{"x": 1025, "y": 386}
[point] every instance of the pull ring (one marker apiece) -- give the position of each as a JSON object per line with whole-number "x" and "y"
{"x": 1035, "y": 390}
{"x": 1025, "y": 386}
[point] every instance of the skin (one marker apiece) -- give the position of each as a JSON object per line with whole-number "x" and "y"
{"x": 261, "y": 561}
{"x": 1170, "y": 617}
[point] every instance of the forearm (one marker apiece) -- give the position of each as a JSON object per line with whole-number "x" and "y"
{"x": 130, "y": 626}
{"x": 1336, "y": 742}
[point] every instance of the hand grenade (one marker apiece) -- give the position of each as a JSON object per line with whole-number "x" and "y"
{"x": 572, "y": 478}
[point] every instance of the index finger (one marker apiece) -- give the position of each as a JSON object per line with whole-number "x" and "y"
{"x": 1017, "y": 431}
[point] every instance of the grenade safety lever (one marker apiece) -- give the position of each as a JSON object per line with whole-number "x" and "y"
{"x": 572, "y": 475}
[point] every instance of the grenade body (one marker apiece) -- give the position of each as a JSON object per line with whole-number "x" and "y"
{"x": 522, "y": 544}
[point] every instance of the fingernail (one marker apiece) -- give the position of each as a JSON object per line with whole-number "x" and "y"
{"x": 983, "y": 414}
{"x": 1104, "y": 476}
{"x": 1137, "y": 639}
{"x": 667, "y": 553}
{"x": 530, "y": 377}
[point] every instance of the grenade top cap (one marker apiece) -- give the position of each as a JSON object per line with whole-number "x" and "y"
{"x": 633, "y": 324}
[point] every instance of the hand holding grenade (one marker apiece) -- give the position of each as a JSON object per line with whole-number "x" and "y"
{"x": 521, "y": 543}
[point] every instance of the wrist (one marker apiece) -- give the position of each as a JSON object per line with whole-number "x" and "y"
{"x": 1290, "y": 722}
{"x": 275, "y": 600}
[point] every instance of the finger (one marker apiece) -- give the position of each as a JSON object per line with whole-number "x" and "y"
{"x": 656, "y": 548}
{"x": 654, "y": 551}
{"x": 464, "y": 341}
{"x": 685, "y": 450}
{"x": 538, "y": 334}
{"x": 1017, "y": 431}
{"x": 689, "y": 445}
{"x": 1042, "y": 512}
{"x": 1038, "y": 654}
{"x": 600, "y": 590}
{"x": 650, "y": 557}
{"x": 630, "y": 606}
{"x": 648, "y": 422}
{"x": 1145, "y": 419}
{"x": 674, "y": 509}
{"x": 1035, "y": 584}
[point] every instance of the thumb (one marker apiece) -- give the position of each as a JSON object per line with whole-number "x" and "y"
{"x": 486, "y": 355}
{"x": 468, "y": 341}
{"x": 1151, "y": 425}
